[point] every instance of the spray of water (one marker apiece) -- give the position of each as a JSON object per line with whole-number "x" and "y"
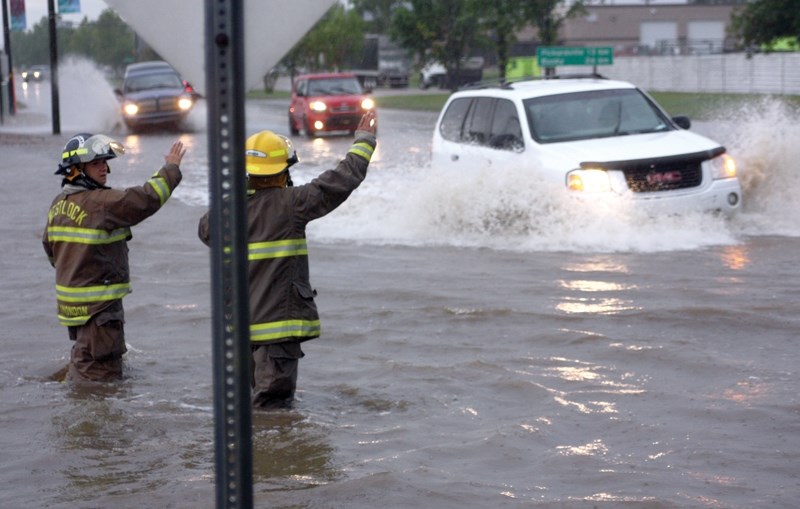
{"x": 763, "y": 138}
{"x": 87, "y": 99}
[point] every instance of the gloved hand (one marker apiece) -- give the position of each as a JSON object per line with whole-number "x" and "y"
{"x": 368, "y": 126}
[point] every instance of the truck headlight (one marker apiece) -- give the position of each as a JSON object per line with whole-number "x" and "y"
{"x": 723, "y": 167}
{"x": 318, "y": 106}
{"x": 367, "y": 103}
{"x": 130, "y": 109}
{"x": 184, "y": 103}
{"x": 589, "y": 181}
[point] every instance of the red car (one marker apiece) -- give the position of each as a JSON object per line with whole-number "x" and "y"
{"x": 327, "y": 102}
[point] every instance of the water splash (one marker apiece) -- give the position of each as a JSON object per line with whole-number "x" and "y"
{"x": 762, "y": 136}
{"x": 86, "y": 98}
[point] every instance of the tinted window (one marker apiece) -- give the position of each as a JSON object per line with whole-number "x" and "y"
{"x": 596, "y": 114}
{"x": 505, "y": 132}
{"x": 453, "y": 119}
{"x": 476, "y": 127}
{"x": 139, "y": 82}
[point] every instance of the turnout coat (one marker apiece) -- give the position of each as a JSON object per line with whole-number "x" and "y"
{"x": 282, "y": 306}
{"x": 86, "y": 240}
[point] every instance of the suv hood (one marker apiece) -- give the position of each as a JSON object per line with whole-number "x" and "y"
{"x": 569, "y": 155}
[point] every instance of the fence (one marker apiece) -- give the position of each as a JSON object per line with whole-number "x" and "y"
{"x": 770, "y": 73}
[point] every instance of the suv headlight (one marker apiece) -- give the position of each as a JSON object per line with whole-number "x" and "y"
{"x": 367, "y": 103}
{"x": 318, "y": 106}
{"x": 723, "y": 167}
{"x": 589, "y": 181}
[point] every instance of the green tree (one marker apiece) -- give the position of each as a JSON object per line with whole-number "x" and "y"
{"x": 503, "y": 19}
{"x": 327, "y": 45}
{"x": 377, "y": 13}
{"x": 548, "y": 17}
{"x": 107, "y": 41}
{"x": 763, "y": 22}
{"x": 442, "y": 30}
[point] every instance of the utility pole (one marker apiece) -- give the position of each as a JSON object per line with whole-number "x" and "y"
{"x": 54, "y": 102}
{"x": 12, "y": 101}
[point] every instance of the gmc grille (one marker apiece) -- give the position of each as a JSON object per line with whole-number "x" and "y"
{"x": 651, "y": 178}
{"x": 662, "y": 173}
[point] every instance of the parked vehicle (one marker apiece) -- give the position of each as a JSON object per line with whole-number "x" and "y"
{"x": 36, "y": 73}
{"x": 593, "y": 136}
{"x": 434, "y": 74}
{"x": 382, "y": 63}
{"x": 327, "y": 102}
{"x": 153, "y": 94}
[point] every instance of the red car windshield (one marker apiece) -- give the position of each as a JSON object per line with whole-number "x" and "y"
{"x": 334, "y": 86}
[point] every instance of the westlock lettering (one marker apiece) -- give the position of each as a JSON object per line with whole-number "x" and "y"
{"x": 69, "y": 209}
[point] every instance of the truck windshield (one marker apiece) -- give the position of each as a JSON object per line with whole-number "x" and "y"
{"x": 334, "y": 86}
{"x": 595, "y": 114}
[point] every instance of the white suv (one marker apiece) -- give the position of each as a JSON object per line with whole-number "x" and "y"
{"x": 594, "y": 136}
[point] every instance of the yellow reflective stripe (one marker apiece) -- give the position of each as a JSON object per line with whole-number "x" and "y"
{"x": 92, "y": 293}
{"x": 277, "y": 153}
{"x": 161, "y": 188}
{"x": 69, "y": 321}
{"x": 276, "y": 249}
{"x": 284, "y": 329}
{"x": 362, "y": 149}
{"x": 86, "y": 235}
{"x": 79, "y": 151}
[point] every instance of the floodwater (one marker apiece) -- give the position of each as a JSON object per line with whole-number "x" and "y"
{"x": 482, "y": 347}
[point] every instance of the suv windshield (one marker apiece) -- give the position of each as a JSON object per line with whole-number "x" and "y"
{"x": 149, "y": 81}
{"x": 334, "y": 86}
{"x": 596, "y": 114}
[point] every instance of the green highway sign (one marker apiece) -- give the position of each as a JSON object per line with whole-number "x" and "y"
{"x": 552, "y": 56}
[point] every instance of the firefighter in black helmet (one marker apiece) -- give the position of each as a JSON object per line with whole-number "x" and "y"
{"x": 88, "y": 228}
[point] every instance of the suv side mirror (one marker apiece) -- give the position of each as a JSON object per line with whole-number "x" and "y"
{"x": 682, "y": 121}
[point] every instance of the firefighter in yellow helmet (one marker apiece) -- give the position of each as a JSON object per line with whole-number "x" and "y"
{"x": 282, "y": 309}
{"x": 86, "y": 239}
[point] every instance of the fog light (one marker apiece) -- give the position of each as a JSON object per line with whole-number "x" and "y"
{"x": 318, "y": 125}
{"x": 733, "y": 199}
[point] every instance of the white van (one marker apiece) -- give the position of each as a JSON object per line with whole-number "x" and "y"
{"x": 593, "y": 136}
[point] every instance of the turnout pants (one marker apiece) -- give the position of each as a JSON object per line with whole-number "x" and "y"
{"x": 274, "y": 374}
{"x": 98, "y": 347}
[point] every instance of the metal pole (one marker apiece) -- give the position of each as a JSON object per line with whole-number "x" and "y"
{"x": 55, "y": 107}
{"x": 12, "y": 102}
{"x": 229, "y": 285}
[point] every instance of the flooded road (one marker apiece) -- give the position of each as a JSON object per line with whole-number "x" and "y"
{"x": 482, "y": 347}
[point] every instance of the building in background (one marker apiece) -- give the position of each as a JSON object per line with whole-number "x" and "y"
{"x": 651, "y": 28}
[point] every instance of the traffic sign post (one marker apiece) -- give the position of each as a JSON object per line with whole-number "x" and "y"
{"x": 553, "y": 56}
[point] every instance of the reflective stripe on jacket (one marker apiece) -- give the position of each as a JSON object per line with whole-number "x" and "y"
{"x": 86, "y": 241}
{"x": 281, "y": 297}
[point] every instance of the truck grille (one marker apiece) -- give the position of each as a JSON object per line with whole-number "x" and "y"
{"x": 163, "y": 104}
{"x": 650, "y": 178}
{"x": 662, "y": 173}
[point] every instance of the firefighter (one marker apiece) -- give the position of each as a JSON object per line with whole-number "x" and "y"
{"x": 282, "y": 309}
{"x": 86, "y": 240}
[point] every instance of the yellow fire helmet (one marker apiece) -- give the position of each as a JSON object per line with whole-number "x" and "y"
{"x": 267, "y": 153}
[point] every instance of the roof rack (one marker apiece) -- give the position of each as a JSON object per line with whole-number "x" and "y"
{"x": 506, "y": 84}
